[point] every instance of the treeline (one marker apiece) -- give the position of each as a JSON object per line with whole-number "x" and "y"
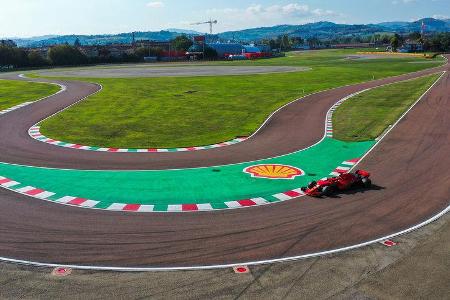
{"x": 67, "y": 55}
{"x": 439, "y": 42}
{"x": 57, "y": 56}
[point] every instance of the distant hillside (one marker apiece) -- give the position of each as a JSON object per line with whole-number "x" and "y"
{"x": 321, "y": 30}
{"x": 431, "y": 25}
{"x": 122, "y": 38}
{"x": 329, "y": 30}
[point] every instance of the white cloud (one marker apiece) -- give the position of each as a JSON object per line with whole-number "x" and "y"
{"x": 441, "y": 17}
{"x": 395, "y": 2}
{"x": 260, "y": 15}
{"x": 155, "y": 4}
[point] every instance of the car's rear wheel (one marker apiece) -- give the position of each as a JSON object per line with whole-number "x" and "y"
{"x": 327, "y": 190}
{"x": 367, "y": 182}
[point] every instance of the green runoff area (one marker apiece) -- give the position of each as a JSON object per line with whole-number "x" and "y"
{"x": 13, "y": 93}
{"x": 217, "y": 185}
{"x": 176, "y": 112}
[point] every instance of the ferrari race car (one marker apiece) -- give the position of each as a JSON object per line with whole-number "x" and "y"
{"x": 346, "y": 181}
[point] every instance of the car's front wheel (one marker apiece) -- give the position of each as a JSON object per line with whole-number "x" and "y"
{"x": 312, "y": 184}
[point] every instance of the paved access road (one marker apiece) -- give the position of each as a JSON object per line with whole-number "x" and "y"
{"x": 406, "y": 164}
{"x": 167, "y": 71}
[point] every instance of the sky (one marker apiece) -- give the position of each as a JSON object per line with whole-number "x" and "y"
{"x": 27, "y": 18}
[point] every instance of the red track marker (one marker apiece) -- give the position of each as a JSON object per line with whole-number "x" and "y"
{"x": 241, "y": 270}
{"x": 388, "y": 243}
{"x": 61, "y": 272}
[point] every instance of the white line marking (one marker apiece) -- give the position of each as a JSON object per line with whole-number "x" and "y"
{"x": 65, "y": 199}
{"x": 10, "y": 184}
{"x": 174, "y": 208}
{"x": 233, "y": 204}
{"x": 44, "y": 195}
{"x": 116, "y": 206}
{"x": 282, "y": 197}
{"x": 204, "y": 207}
{"x": 89, "y": 203}
{"x": 146, "y": 208}
{"x": 259, "y": 201}
{"x": 25, "y": 189}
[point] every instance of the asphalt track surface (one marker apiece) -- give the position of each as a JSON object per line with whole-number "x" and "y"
{"x": 410, "y": 170}
{"x": 168, "y": 71}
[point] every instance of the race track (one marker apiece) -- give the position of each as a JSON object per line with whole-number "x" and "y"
{"x": 294, "y": 127}
{"x": 410, "y": 160}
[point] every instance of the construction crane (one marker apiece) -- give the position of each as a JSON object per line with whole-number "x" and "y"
{"x": 210, "y": 22}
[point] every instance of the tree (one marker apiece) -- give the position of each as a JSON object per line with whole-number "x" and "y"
{"x": 6, "y": 56}
{"x": 385, "y": 39}
{"x": 415, "y": 36}
{"x": 297, "y": 40}
{"x": 12, "y": 56}
{"x": 445, "y": 41}
{"x": 35, "y": 59}
{"x": 141, "y": 52}
{"x": 66, "y": 55}
{"x": 77, "y": 43}
{"x": 395, "y": 42}
{"x": 313, "y": 42}
{"x": 181, "y": 43}
{"x": 376, "y": 38}
{"x": 285, "y": 42}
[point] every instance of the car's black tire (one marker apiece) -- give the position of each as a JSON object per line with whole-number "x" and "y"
{"x": 312, "y": 184}
{"x": 366, "y": 182}
{"x": 328, "y": 190}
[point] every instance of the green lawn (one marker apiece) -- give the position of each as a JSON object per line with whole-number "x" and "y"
{"x": 13, "y": 93}
{"x": 367, "y": 115}
{"x": 181, "y": 112}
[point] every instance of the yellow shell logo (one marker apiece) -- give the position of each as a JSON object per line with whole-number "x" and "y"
{"x": 274, "y": 171}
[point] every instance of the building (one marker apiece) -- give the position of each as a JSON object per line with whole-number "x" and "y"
{"x": 232, "y": 50}
{"x": 254, "y": 51}
{"x": 225, "y": 50}
{"x": 411, "y": 46}
{"x": 153, "y": 44}
{"x": 301, "y": 47}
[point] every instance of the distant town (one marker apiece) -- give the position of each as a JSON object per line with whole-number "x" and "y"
{"x": 425, "y": 35}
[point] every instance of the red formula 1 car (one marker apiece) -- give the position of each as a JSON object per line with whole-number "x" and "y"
{"x": 328, "y": 186}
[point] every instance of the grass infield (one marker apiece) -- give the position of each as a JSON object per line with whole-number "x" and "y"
{"x": 366, "y": 116}
{"x": 13, "y": 93}
{"x": 183, "y": 112}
